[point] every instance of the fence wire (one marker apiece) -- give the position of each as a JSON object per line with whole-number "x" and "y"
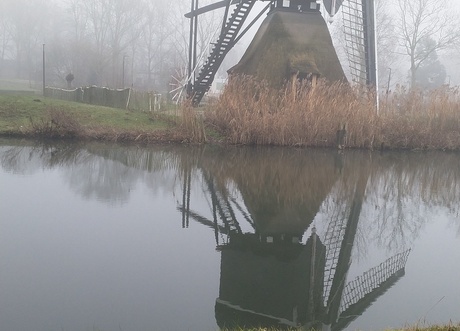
{"x": 102, "y": 96}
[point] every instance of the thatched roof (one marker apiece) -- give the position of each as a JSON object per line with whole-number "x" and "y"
{"x": 288, "y": 43}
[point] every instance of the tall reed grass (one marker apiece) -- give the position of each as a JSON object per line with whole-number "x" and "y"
{"x": 250, "y": 112}
{"x": 192, "y": 124}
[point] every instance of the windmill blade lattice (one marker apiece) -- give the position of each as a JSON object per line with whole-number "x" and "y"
{"x": 372, "y": 279}
{"x": 178, "y": 85}
{"x": 354, "y": 40}
{"x": 359, "y": 31}
{"x": 333, "y": 242}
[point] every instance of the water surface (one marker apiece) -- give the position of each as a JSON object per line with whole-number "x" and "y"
{"x": 113, "y": 237}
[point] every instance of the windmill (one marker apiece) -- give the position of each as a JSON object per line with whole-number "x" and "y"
{"x": 304, "y": 25}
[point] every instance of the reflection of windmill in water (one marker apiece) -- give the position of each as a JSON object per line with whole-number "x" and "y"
{"x": 271, "y": 276}
{"x": 293, "y": 40}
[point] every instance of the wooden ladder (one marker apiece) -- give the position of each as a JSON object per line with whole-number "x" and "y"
{"x": 226, "y": 41}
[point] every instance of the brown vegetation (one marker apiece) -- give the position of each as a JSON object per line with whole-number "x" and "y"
{"x": 253, "y": 113}
{"x": 58, "y": 124}
{"x": 250, "y": 112}
{"x": 192, "y": 124}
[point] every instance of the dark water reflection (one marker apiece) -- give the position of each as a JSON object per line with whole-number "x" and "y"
{"x": 111, "y": 237}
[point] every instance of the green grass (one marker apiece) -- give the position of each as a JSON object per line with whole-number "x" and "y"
{"x": 16, "y": 85}
{"x": 20, "y": 114}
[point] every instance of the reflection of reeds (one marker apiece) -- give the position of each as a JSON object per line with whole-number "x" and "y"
{"x": 251, "y": 112}
{"x": 289, "y": 175}
{"x": 287, "y": 186}
{"x": 407, "y": 190}
{"x": 282, "y": 189}
{"x": 279, "y": 183}
{"x": 434, "y": 177}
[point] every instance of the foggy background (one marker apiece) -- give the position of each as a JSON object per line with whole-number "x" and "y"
{"x": 144, "y": 43}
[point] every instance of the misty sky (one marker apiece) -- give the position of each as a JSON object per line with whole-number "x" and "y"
{"x": 145, "y": 65}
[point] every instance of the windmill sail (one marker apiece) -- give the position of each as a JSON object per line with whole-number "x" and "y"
{"x": 359, "y": 31}
{"x": 332, "y": 6}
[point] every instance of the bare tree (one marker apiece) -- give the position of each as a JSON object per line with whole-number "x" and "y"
{"x": 96, "y": 39}
{"x": 5, "y": 37}
{"x": 422, "y": 19}
{"x": 386, "y": 46}
{"x": 154, "y": 44}
{"x": 27, "y": 24}
{"x": 125, "y": 26}
{"x": 77, "y": 43}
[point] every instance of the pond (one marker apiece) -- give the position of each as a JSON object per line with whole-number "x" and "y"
{"x": 100, "y": 236}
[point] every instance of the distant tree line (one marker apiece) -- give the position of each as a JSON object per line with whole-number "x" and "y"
{"x": 411, "y": 36}
{"x": 100, "y": 42}
{"x": 142, "y": 43}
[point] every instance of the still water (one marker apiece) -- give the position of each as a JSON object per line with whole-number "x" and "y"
{"x": 112, "y": 237}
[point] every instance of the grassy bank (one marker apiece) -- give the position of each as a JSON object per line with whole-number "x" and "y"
{"x": 38, "y": 117}
{"x": 251, "y": 113}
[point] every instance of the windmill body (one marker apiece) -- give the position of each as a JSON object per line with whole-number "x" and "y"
{"x": 291, "y": 43}
{"x": 293, "y": 40}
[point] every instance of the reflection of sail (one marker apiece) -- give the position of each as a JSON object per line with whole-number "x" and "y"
{"x": 222, "y": 206}
{"x": 360, "y": 293}
{"x": 224, "y": 219}
{"x": 341, "y": 266}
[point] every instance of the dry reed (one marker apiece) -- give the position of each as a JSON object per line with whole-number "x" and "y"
{"x": 250, "y": 112}
{"x": 192, "y": 124}
{"x": 58, "y": 124}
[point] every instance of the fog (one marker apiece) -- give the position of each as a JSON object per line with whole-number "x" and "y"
{"x": 142, "y": 44}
